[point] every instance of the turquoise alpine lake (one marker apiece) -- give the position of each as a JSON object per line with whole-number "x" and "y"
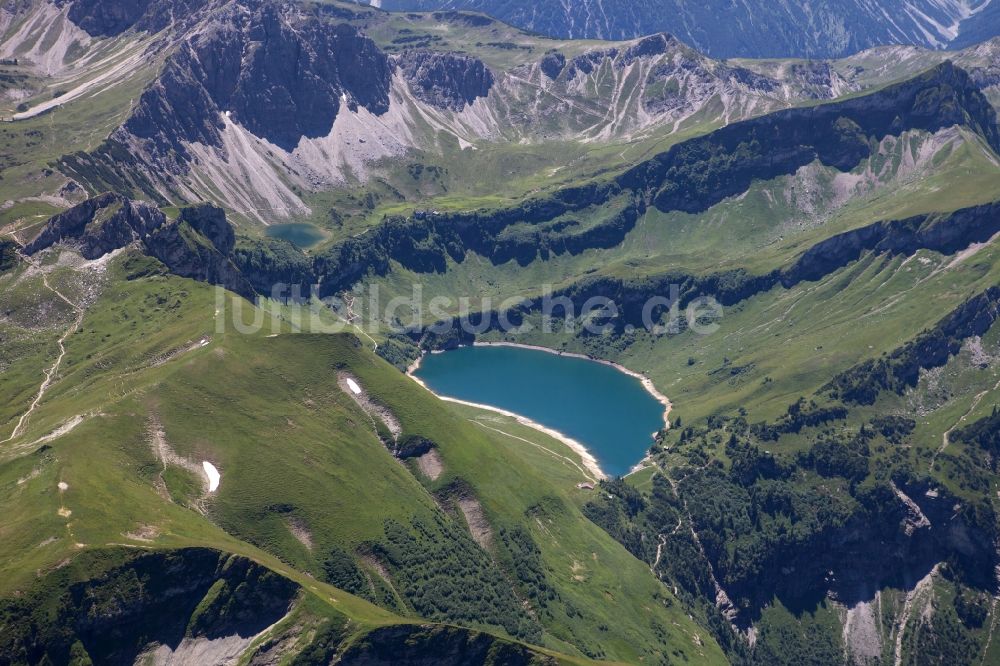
{"x": 602, "y": 408}
{"x": 300, "y": 234}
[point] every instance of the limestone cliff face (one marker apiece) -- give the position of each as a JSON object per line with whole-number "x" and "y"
{"x": 274, "y": 267}
{"x": 446, "y": 80}
{"x": 553, "y": 64}
{"x": 109, "y": 18}
{"x": 99, "y": 225}
{"x": 900, "y": 369}
{"x": 202, "y": 606}
{"x": 696, "y": 174}
{"x": 270, "y": 69}
{"x": 210, "y": 221}
{"x": 675, "y": 81}
{"x": 439, "y": 235}
{"x": 243, "y": 70}
{"x": 942, "y": 232}
{"x": 175, "y": 111}
{"x": 750, "y": 29}
{"x": 292, "y": 77}
{"x": 104, "y": 19}
{"x": 181, "y": 599}
{"x": 693, "y": 176}
{"x": 895, "y": 537}
{"x": 197, "y": 246}
{"x": 284, "y": 73}
{"x": 425, "y": 241}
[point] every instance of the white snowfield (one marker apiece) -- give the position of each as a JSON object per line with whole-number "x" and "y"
{"x": 353, "y": 385}
{"x": 213, "y": 476}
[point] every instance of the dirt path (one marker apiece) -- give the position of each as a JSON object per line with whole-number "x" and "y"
{"x": 539, "y": 446}
{"x": 352, "y": 316}
{"x": 912, "y": 597}
{"x": 663, "y": 542}
{"x": 993, "y": 616}
{"x": 947, "y": 433}
{"x": 722, "y": 600}
{"x": 22, "y": 422}
{"x": 659, "y": 552}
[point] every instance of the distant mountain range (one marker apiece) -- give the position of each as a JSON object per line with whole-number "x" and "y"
{"x": 748, "y": 28}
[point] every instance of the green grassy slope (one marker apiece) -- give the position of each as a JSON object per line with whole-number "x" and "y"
{"x": 502, "y": 540}
{"x": 785, "y": 344}
{"x": 139, "y": 402}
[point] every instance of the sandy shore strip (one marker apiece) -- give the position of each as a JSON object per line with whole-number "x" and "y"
{"x": 588, "y": 460}
{"x": 641, "y": 465}
{"x": 585, "y": 456}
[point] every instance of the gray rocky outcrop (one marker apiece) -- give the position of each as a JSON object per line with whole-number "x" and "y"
{"x": 271, "y": 69}
{"x": 446, "y": 80}
{"x": 99, "y": 225}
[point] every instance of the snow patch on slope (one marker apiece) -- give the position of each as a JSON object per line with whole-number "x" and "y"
{"x": 213, "y": 476}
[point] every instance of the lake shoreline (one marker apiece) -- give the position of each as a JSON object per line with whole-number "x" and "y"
{"x": 588, "y": 459}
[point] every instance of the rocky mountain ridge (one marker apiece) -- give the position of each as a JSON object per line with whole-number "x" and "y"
{"x": 198, "y": 244}
{"x": 99, "y": 225}
{"x": 261, "y": 104}
{"x": 840, "y": 134}
{"x": 691, "y": 176}
{"x": 827, "y": 498}
{"x": 747, "y": 29}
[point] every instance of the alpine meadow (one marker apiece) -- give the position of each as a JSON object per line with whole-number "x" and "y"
{"x": 444, "y": 332}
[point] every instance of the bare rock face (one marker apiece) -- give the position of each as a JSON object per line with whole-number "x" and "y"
{"x": 197, "y": 246}
{"x": 174, "y": 111}
{"x": 99, "y": 225}
{"x": 942, "y": 232}
{"x": 446, "y": 80}
{"x": 269, "y": 67}
{"x": 650, "y": 46}
{"x": 750, "y": 29}
{"x": 210, "y": 222}
{"x": 131, "y": 607}
{"x": 837, "y": 134}
{"x": 274, "y": 267}
{"x": 678, "y": 80}
{"x": 108, "y": 18}
{"x": 104, "y": 18}
{"x": 553, "y": 64}
{"x": 294, "y": 78}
